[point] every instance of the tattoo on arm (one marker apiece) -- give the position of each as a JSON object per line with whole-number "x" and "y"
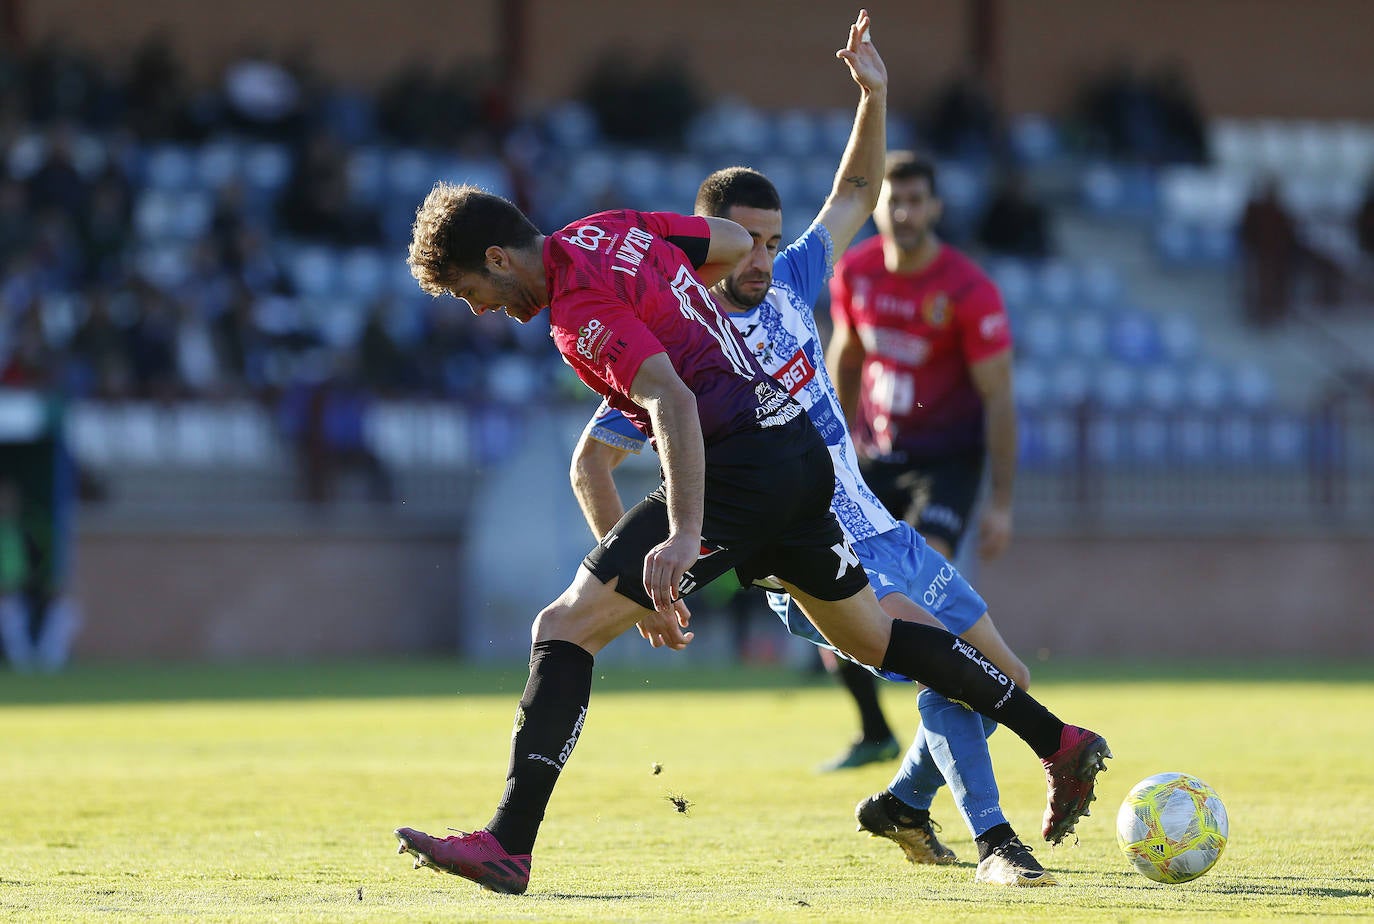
{"x": 858, "y": 181}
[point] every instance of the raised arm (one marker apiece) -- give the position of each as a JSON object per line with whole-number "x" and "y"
{"x": 860, "y": 175}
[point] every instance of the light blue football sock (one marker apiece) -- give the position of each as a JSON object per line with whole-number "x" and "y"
{"x": 951, "y": 746}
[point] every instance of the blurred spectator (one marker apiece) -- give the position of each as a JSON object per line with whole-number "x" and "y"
{"x": 962, "y": 122}
{"x": 649, "y": 105}
{"x": 1015, "y": 224}
{"x": 1154, "y": 119}
{"x": 105, "y": 229}
{"x": 99, "y": 352}
{"x": 1364, "y": 221}
{"x": 1182, "y": 127}
{"x": 383, "y": 365}
{"x": 317, "y": 205}
{"x": 324, "y": 421}
{"x": 156, "y": 92}
{"x": 57, "y": 184}
{"x": 38, "y": 618}
{"x": 1269, "y": 255}
{"x": 15, "y": 220}
{"x": 262, "y": 97}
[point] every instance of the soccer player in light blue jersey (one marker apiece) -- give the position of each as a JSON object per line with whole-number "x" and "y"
{"x": 770, "y": 297}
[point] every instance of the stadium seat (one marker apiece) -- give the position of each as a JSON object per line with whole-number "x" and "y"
{"x": 1148, "y": 440}
{"x": 1034, "y": 138}
{"x": 1178, "y": 337}
{"x": 1032, "y": 385}
{"x": 338, "y": 321}
{"x": 572, "y": 126}
{"x": 1041, "y": 335}
{"x": 218, "y": 163}
{"x": 796, "y": 132}
{"x": 1107, "y": 441}
{"x": 166, "y": 264}
{"x": 1237, "y": 439}
{"x": 1100, "y": 285}
{"x": 1070, "y": 383}
{"x": 314, "y": 270}
{"x": 169, "y": 167}
{"x": 1161, "y": 388}
{"x": 486, "y": 172}
{"x": 1087, "y": 335}
{"x": 363, "y": 272}
{"x": 266, "y": 168}
{"x": 640, "y": 179}
{"x": 1056, "y": 283}
{"x": 1193, "y": 440}
{"x": 1114, "y": 386}
{"x": 1286, "y": 441}
{"x": 592, "y": 175}
{"x": 1133, "y": 337}
{"x": 1252, "y": 387}
{"x": 366, "y": 172}
{"x": 1015, "y": 279}
{"x": 1205, "y": 387}
{"x": 409, "y": 173}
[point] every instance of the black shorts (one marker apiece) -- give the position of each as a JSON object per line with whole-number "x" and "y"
{"x": 767, "y": 513}
{"x": 934, "y": 495}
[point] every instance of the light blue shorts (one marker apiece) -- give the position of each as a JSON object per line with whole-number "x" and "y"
{"x": 899, "y": 561}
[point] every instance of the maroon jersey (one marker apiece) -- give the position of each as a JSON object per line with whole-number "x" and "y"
{"x": 622, "y": 289}
{"x": 920, "y": 333}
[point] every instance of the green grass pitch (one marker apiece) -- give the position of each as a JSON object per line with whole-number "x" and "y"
{"x": 269, "y": 793}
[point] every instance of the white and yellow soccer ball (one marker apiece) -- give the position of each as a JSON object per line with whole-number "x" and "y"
{"x": 1172, "y": 827}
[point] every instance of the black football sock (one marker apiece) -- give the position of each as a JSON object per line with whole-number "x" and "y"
{"x": 863, "y": 686}
{"x": 993, "y": 838}
{"x": 955, "y": 669}
{"x": 547, "y": 724}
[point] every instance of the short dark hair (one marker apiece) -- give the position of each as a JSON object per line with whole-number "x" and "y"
{"x": 909, "y": 165}
{"x": 734, "y": 186}
{"x": 453, "y": 229}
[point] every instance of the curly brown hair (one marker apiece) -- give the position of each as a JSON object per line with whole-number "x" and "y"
{"x": 453, "y": 228}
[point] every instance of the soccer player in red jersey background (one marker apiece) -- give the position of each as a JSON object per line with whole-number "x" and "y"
{"x": 921, "y": 358}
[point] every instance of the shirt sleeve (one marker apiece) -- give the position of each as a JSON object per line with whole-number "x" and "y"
{"x": 805, "y": 264}
{"x": 983, "y": 328}
{"x": 610, "y": 426}
{"x": 689, "y": 233}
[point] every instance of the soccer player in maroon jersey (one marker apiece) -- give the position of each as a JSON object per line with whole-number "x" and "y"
{"x": 921, "y": 358}
{"x": 747, "y": 486}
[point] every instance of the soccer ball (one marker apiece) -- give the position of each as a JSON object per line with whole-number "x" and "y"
{"x": 1172, "y": 827}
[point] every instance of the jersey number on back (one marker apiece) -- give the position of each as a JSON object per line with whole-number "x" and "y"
{"x": 685, "y": 286}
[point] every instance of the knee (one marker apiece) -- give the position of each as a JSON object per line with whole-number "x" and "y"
{"x": 1019, "y": 674}
{"x": 551, "y": 623}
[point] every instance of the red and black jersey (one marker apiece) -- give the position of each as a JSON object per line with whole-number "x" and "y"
{"x": 622, "y": 288}
{"x": 921, "y": 332}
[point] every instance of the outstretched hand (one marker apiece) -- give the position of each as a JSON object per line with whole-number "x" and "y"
{"x": 865, "y": 64}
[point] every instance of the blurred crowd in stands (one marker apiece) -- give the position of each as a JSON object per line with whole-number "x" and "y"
{"x": 90, "y": 303}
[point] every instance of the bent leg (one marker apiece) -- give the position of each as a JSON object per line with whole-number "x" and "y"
{"x": 934, "y": 657}
{"x": 552, "y": 709}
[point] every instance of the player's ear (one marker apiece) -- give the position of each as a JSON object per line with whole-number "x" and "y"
{"x": 497, "y": 258}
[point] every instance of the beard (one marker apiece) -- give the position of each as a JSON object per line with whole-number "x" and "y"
{"x": 741, "y": 299}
